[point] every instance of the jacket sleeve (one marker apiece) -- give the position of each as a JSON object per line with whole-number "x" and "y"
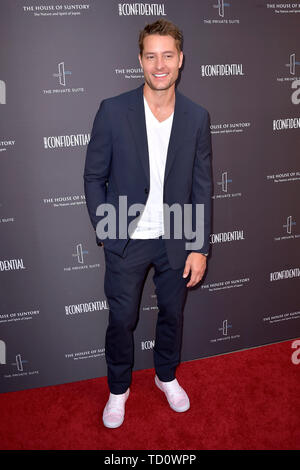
{"x": 97, "y": 164}
{"x": 202, "y": 182}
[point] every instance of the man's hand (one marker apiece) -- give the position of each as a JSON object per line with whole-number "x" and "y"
{"x": 196, "y": 263}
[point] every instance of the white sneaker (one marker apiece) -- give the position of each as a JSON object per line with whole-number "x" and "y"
{"x": 176, "y": 396}
{"x": 114, "y": 411}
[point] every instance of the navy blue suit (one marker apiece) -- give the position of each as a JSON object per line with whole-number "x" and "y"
{"x": 117, "y": 164}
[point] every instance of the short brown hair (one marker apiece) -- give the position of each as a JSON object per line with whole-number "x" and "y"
{"x": 164, "y": 28}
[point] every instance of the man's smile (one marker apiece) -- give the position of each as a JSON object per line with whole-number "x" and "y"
{"x": 160, "y": 75}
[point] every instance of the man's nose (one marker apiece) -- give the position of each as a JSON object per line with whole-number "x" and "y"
{"x": 159, "y": 63}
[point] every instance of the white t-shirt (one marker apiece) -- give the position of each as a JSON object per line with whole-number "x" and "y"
{"x": 151, "y": 224}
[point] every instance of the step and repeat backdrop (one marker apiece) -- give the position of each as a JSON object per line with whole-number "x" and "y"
{"x": 58, "y": 60}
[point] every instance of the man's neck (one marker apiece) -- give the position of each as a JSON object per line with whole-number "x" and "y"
{"x": 160, "y": 99}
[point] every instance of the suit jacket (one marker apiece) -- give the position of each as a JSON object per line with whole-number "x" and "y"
{"x": 117, "y": 164}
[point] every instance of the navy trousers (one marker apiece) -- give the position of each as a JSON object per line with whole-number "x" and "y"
{"x": 123, "y": 283}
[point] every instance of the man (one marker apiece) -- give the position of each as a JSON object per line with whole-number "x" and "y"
{"x": 152, "y": 145}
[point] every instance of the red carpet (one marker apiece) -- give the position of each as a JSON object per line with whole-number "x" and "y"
{"x": 243, "y": 400}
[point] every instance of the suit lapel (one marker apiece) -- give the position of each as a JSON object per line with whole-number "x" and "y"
{"x": 178, "y": 130}
{"x": 136, "y": 116}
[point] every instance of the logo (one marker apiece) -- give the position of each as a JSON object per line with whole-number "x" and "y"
{"x": 129, "y": 72}
{"x": 283, "y": 8}
{"x": 280, "y": 317}
{"x": 219, "y": 70}
{"x": 81, "y": 262}
{"x": 54, "y": 11}
{"x": 2, "y": 92}
{"x": 21, "y": 371}
{"x": 62, "y": 81}
{"x": 225, "y": 181}
{"x": 62, "y": 74}
{"x": 227, "y": 236}
{"x": 284, "y": 177}
{"x": 19, "y": 363}
{"x": 93, "y": 306}
{"x": 225, "y": 327}
{"x": 226, "y": 336}
{"x": 141, "y": 9}
{"x": 289, "y": 229}
{"x": 64, "y": 201}
{"x": 289, "y": 224}
{"x": 11, "y": 264}
{"x": 220, "y": 7}
{"x": 79, "y": 253}
{"x": 89, "y": 354}
{"x": 285, "y": 274}
{"x": 18, "y": 316}
{"x": 229, "y": 128}
{"x": 147, "y": 344}
{"x": 6, "y": 143}
{"x": 292, "y": 64}
{"x": 72, "y": 140}
{"x": 225, "y": 285}
{"x": 287, "y": 123}
{"x": 224, "y": 185}
{"x": 2, "y": 352}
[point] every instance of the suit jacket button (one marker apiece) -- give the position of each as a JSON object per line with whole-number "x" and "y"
{"x": 146, "y": 190}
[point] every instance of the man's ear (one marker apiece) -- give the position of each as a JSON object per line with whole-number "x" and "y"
{"x": 140, "y": 60}
{"x": 180, "y": 59}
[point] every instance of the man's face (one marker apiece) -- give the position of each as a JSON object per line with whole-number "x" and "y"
{"x": 161, "y": 61}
